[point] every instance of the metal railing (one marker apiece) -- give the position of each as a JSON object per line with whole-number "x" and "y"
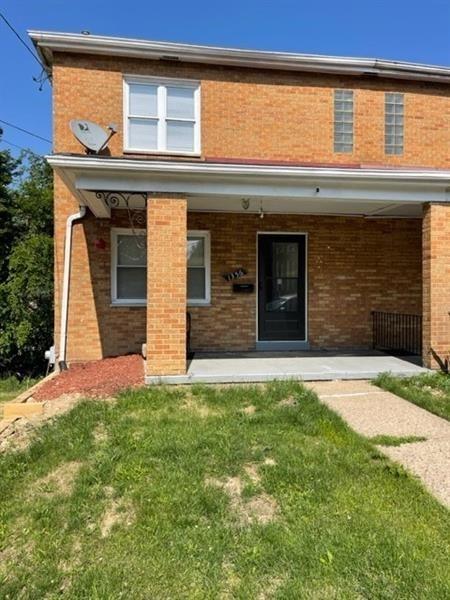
{"x": 397, "y": 332}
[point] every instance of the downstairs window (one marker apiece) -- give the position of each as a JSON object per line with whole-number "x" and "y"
{"x": 129, "y": 267}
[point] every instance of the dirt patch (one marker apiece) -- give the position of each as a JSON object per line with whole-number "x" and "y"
{"x": 251, "y": 470}
{"x": 249, "y": 410}
{"x": 59, "y": 481}
{"x": 271, "y": 588}
{"x": 202, "y": 410}
{"x": 231, "y": 582}
{"x": 258, "y": 509}
{"x": 17, "y": 435}
{"x": 118, "y": 512}
{"x": 100, "y": 434}
{"x": 98, "y": 378}
{"x": 434, "y": 391}
{"x": 289, "y": 402}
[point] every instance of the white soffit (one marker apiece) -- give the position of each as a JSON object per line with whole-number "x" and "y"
{"x": 222, "y": 187}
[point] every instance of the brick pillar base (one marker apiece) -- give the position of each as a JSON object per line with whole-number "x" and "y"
{"x": 166, "y": 285}
{"x": 436, "y": 283}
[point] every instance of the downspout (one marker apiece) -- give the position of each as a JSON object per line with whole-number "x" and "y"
{"x": 66, "y": 285}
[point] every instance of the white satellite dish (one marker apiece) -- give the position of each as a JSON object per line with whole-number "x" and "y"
{"x": 93, "y": 137}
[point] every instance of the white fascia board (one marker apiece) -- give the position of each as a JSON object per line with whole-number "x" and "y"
{"x": 172, "y": 168}
{"x": 351, "y": 185}
{"x": 47, "y": 42}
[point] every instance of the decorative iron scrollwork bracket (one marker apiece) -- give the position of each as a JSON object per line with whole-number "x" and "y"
{"x": 136, "y": 216}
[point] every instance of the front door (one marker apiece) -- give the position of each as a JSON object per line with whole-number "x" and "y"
{"x": 281, "y": 287}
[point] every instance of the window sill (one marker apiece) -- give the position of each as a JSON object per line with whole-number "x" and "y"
{"x": 162, "y": 153}
{"x": 198, "y": 304}
{"x": 128, "y": 304}
{"x": 144, "y": 304}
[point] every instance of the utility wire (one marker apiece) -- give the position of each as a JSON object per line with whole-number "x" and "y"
{"x": 21, "y": 40}
{"x": 39, "y": 137}
{"x": 8, "y": 143}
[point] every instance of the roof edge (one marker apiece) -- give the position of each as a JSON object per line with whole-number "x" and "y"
{"x": 426, "y": 176}
{"x": 47, "y": 43}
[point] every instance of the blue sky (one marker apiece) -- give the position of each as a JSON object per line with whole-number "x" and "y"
{"x": 413, "y": 30}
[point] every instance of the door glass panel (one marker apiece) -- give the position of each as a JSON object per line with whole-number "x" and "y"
{"x": 282, "y": 294}
{"x": 285, "y": 259}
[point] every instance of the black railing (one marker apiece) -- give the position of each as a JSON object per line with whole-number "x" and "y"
{"x": 397, "y": 333}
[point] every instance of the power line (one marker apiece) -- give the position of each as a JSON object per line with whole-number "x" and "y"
{"x": 21, "y": 40}
{"x": 8, "y": 143}
{"x": 39, "y": 137}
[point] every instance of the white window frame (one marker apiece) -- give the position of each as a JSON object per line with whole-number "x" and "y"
{"x": 115, "y": 301}
{"x": 115, "y": 232}
{"x": 162, "y": 84}
{"x": 207, "y": 245}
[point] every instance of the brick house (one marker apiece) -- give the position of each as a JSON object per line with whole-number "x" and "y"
{"x": 320, "y": 183}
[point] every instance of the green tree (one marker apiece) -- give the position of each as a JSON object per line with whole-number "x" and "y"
{"x": 8, "y": 170}
{"x": 26, "y": 287}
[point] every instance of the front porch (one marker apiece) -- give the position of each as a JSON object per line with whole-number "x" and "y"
{"x": 328, "y": 246}
{"x": 255, "y": 367}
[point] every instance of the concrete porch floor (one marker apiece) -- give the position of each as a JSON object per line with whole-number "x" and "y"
{"x": 252, "y": 367}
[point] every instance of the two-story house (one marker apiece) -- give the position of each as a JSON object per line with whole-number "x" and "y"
{"x": 264, "y": 200}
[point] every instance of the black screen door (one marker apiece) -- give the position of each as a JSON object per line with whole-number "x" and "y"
{"x": 281, "y": 283}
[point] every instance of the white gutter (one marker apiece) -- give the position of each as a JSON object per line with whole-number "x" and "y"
{"x": 47, "y": 42}
{"x": 66, "y": 286}
{"x": 128, "y": 165}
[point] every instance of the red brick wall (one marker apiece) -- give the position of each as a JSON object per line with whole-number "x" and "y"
{"x": 354, "y": 266}
{"x": 436, "y": 281}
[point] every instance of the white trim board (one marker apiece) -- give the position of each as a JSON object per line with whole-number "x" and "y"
{"x": 221, "y": 182}
{"x": 47, "y": 42}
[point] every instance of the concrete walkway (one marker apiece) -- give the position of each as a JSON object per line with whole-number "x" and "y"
{"x": 371, "y": 411}
{"x": 307, "y": 366}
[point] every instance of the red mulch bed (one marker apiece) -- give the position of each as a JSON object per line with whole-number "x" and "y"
{"x": 97, "y": 379}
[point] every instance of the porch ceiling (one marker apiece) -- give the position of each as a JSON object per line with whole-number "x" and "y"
{"x": 252, "y": 188}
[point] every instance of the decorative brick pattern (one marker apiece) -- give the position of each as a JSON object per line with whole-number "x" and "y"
{"x": 436, "y": 283}
{"x": 166, "y": 285}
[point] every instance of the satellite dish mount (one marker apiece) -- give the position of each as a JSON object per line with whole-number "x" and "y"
{"x": 93, "y": 137}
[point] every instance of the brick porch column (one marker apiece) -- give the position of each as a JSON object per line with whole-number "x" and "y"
{"x": 166, "y": 284}
{"x": 436, "y": 282}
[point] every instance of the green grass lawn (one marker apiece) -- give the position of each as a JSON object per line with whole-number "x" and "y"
{"x": 10, "y": 387}
{"x": 208, "y": 492}
{"x": 430, "y": 391}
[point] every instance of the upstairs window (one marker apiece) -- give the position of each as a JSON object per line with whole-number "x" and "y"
{"x": 343, "y": 121}
{"x": 393, "y": 123}
{"x": 162, "y": 116}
